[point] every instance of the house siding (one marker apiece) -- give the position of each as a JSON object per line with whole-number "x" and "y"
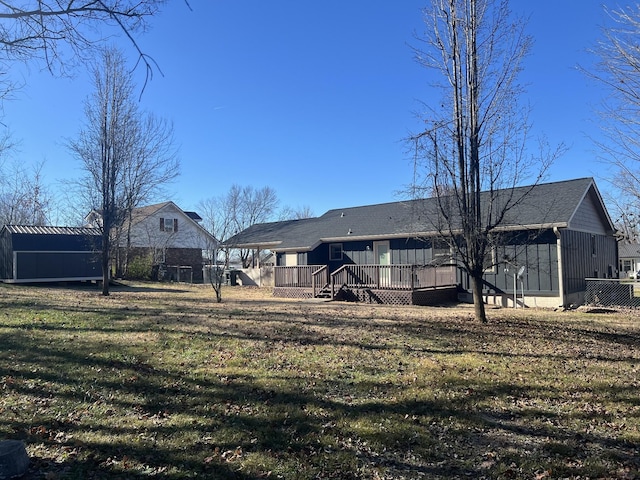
{"x": 410, "y": 251}
{"x": 175, "y": 257}
{"x": 537, "y": 252}
{"x": 150, "y": 232}
{"x": 586, "y": 255}
{"x": 404, "y": 251}
{"x": 587, "y": 217}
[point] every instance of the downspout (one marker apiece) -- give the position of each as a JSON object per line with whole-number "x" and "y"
{"x": 259, "y": 268}
{"x": 560, "y": 269}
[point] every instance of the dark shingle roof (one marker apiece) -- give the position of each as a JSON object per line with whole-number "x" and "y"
{"x": 193, "y": 216}
{"x": 549, "y": 205}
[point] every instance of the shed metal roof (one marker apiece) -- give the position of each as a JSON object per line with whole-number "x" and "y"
{"x": 51, "y": 230}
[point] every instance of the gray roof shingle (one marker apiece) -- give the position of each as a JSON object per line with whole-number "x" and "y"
{"x": 548, "y": 204}
{"x": 628, "y": 250}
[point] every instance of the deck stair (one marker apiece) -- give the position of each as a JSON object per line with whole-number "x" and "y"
{"x": 325, "y": 292}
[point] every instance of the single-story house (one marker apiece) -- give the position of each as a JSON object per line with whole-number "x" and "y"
{"x": 556, "y": 237}
{"x": 629, "y": 254}
{"x": 49, "y": 254}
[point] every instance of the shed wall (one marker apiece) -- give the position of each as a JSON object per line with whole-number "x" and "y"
{"x": 22, "y": 242}
{"x": 6, "y": 255}
{"x": 40, "y": 266}
{"x": 49, "y": 257}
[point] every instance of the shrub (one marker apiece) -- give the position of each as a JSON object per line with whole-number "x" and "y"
{"x": 140, "y": 268}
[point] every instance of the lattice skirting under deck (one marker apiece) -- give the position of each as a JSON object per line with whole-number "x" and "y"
{"x": 430, "y": 296}
{"x": 292, "y": 292}
{"x": 435, "y": 296}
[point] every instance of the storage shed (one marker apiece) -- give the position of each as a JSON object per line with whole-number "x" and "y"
{"x": 49, "y": 254}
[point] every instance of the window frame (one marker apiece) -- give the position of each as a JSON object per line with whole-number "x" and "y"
{"x": 333, "y": 247}
{"x": 165, "y": 221}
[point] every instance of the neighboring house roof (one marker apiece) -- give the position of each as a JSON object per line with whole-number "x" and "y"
{"x": 545, "y": 205}
{"x": 50, "y": 230}
{"x": 147, "y": 211}
{"x": 193, "y": 216}
{"x": 629, "y": 250}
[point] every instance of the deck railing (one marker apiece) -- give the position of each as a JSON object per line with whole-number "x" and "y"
{"x": 393, "y": 277}
{"x": 320, "y": 279}
{"x": 301, "y": 276}
{"x": 384, "y": 277}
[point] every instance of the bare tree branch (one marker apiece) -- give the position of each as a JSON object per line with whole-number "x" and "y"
{"x": 471, "y": 156}
{"x": 127, "y": 156}
{"x": 618, "y": 69}
{"x": 45, "y": 29}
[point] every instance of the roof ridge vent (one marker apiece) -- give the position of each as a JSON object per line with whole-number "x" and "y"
{"x": 342, "y": 215}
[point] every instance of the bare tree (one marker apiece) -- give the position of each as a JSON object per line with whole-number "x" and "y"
{"x": 238, "y": 209}
{"x": 471, "y": 154}
{"x": 63, "y": 34}
{"x": 618, "y": 69}
{"x": 217, "y": 219}
{"x": 248, "y": 206}
{"x": 626, "y": 217}
{"x": 125, "y": 154}
{"x": 299, "y": 213}
{"x": 153, "y": 164}
{"x": 24, "y": 198}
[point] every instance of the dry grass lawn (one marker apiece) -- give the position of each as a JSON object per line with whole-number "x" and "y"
{"x": 159, "y": 381}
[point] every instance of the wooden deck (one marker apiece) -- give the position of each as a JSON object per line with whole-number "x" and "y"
{"x": 386, "y": 284}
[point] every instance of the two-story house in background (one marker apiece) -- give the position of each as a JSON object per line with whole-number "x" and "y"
{"x": 174, "y": 241}
{"x": 169, "y": 239}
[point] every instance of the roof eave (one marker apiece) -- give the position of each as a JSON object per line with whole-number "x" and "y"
{"x": 253, "y": 245}
{"x": 432, "y": 233}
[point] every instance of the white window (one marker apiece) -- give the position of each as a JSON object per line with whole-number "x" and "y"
{"x": 490, "y": 265}
{"x": 291, "y": 259}
{"x": 168, "y": 224}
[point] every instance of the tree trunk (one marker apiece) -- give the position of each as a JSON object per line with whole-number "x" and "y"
{"x": 105, "y": 263}
{"x": 478, "y": 302}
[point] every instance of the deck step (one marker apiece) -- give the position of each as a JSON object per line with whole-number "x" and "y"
{"x": 325, "y": 292}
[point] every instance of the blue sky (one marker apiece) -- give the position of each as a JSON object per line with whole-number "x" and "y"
{"x": 310, "y": 98}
